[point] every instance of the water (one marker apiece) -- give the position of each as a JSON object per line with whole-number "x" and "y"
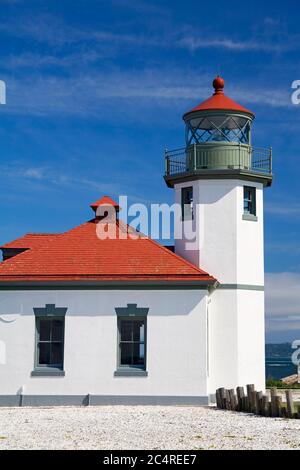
{"x": 279, "y": 367}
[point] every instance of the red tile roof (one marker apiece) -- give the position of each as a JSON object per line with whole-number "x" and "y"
{"x": 30, "y": 240}
{"x": 79, "y": 255}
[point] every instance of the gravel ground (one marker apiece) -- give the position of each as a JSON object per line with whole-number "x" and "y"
{"x": 141, "y": 427}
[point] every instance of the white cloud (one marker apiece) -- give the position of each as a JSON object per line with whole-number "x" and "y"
{"x": 52, "y": 30}
{"x": 195, "y": 42}
{"x": 282, "y": 301}
{"x": 287, "y": 247}
{"x": 285, "y": 210}
{"x": 76, "y": 59}
{"x": 34, "y": 173}
{"x": 93, "y": 93}
{"x": 48, "y": 178}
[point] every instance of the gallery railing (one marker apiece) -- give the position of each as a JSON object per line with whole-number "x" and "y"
{"x": 218, "y": 156}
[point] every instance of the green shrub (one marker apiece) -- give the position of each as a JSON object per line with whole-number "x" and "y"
{"x": 277, "y": 383}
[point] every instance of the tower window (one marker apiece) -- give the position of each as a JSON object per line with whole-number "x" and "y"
{"x": 187, "y": 203}
{"x": 249, "y": 200}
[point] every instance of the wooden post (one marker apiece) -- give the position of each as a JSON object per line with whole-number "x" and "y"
{"x": 273, "y": 401}
{"x": 218, "y": 398}
{"x": 227, "y": 400}
{"x": 253, "y": 401}
{"x": 240, "y": 397}
{"x": 270, "y": 409}
{"x": 222, "y": 397}
{"x": 289, "y": 403}
{"x": 265, "y": 405}
{"x": 258, "y": 403}
{"x": 278, "y": 402}
{"x": 246, "y": 404}
{"x": 250, "y": 389}
{"x": 233, "y": 400}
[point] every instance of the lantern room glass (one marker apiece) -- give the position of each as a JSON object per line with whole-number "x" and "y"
{"x": 218, "y": 128}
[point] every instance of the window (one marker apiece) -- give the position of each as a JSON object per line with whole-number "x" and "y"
{"x": 49, "y": 347}
{"x": 250, "y": 200}
{"x": 132, "y": 340}
{"x": 187, "y": 203}
{"x": 50, "y": 342}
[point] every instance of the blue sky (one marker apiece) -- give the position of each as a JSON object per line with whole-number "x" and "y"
{"x": 96, "y": 90}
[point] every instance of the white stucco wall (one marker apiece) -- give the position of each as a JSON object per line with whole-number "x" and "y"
{"x": 176, "y": 342}
{"x": 236, "y": 339}
{"x": 227, "y": 247}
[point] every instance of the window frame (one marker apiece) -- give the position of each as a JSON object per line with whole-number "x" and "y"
{"x": 252, "y": 213}
{"x": 49, "y": 312}
{"x": 38, "y": 320}
{"x": 190, "y": 215}
{"x": 131, "y": 312}
{"x": 132, "y": 367}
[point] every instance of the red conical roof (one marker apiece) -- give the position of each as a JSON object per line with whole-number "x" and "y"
{"x": 105, "y": 201}
{"x": 219, "y": 101}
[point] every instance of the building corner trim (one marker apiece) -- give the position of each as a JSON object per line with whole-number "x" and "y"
{"x": 241, "y": 287}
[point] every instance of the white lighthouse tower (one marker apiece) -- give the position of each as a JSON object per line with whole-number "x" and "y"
{"x": 219, "y": 180}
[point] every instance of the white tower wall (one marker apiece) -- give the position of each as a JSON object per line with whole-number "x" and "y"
{"x": 231, "y": 249}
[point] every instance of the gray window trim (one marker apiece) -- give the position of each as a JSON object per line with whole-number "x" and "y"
{"x": 124, "y": 372}
{"x": 189, "y": 215}
{"x": 132, "y": 313}
{"x": 250, "y": 217}
{"x": 132, "y": 310}
{"x": 47, "y": 372}
{"x": 251, "y": 214}
{"x": 49, "y": 312}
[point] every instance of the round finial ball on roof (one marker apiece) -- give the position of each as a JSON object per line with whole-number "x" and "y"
{"x": 218, "y": 83}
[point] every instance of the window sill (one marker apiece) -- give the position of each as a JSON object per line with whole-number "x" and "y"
{"x": 130, "y": 373}
{"x": 250, "y": 217}
{"x": 45, "y": 372}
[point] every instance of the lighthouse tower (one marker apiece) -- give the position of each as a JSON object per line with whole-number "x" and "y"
{"x": 219, "y": 178}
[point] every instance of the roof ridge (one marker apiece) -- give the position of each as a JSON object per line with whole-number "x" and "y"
{"x": 32, "y": 234}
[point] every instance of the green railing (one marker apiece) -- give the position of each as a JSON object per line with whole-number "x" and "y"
{"x": 218, "y": 156}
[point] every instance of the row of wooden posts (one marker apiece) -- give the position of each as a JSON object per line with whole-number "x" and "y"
{"x": 257, "y": 403}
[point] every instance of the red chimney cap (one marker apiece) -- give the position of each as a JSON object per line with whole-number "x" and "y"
{"x": 105, "y": 201}
{"x": 219, "y": 101}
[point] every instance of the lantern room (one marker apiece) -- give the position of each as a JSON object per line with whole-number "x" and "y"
{"x": 218, "y": 119}
{"x": 218, "y": 142}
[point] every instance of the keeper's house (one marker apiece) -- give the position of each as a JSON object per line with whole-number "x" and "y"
{"x": 126, "y": 320}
